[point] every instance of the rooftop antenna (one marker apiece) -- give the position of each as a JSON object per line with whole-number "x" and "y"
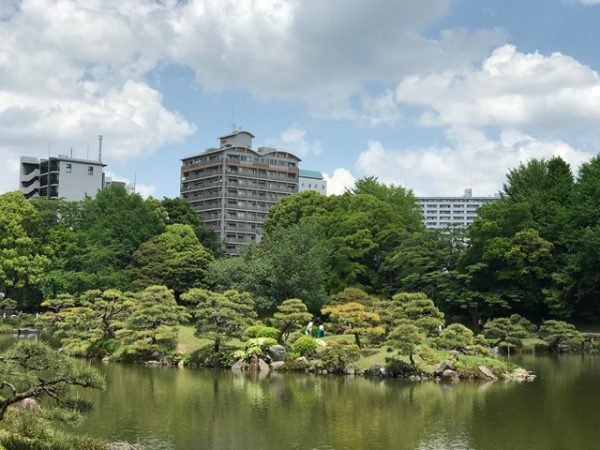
{"x": 71, "y": 152}
{"x": 87, "y": 152}
{"x": 100, "y": 147}
{"x": 134, "y": 180}
{"x": 233, "y": 126}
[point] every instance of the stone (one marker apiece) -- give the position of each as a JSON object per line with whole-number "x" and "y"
{"x": 521, "y": 374}
{"x": 383, "y": 371}
{"x": 450, "y": 375}
{"x": 29, "y": 404}
{"x": 106, "y": 359}
{"x": 277, "y": 353}
{"x": 278, "y": 365}
{"x": 374, "y": 371}
{"x": 123, "y": 446}
{"x": 321, "y": 343}
{"x": 349, "y": 369}
{"x": 301, "y": 362}
{"x": 263, "y": 366}
{"x": 152, "y": 363}
{"x": 444, "y": 365}
{"x": 486, "y": 372}
{"x": 237, "y": 366}
{"x": 454, "y": 352}
{"x": 181, "y": 364}
{"x": 192, "y": 365}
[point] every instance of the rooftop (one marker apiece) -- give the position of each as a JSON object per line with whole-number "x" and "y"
{"x": 311, "y": 174}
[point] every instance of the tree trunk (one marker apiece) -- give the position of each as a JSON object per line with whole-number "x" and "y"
{"x": 357, "y": 339}
{"x": 412, "y": 361}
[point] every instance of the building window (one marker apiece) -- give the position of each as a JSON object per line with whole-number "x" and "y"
{"x": 68, "y": 168}
{"x": 90, "y": 170}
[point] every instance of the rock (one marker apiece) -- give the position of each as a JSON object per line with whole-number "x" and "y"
{"x": 444, "y": 365}
{"x": 450, "y": 375}
{"x": 486, "y": 372}
{"x": 521, "y": 374}
{"x": 166, "y": 361}
{"x": 454, "y": 352}
{"x": 29, "y": 404}
{"x": 181, "y": 364}
{"x": 349, "y": 370}
{"x": 277, "y": 353}
{"x": 263, "y": 366}
{"x": 323, "y": 372}
{"x": 152, "y": 363}
{"x": 321, "y": 343}
{"x": 374, "y": 371}
{"x": 123, "y": 446}
{"x": 106, "y": 359}
{"x": 383, "y": 372}
{"x": 237, "y": 366}
{"x": 278, "y": 365}
{"x": 192, "y": 365}
{"x": 301, "y": 362}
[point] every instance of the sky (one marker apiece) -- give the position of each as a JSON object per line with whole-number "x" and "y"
{"x": 433, "y": 95}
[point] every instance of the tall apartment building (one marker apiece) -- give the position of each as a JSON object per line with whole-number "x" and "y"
{"x": 311, "y": 180}
{"x": 442, "y": 212}
{"x": 233, "y": 187}
{"x": 60, "y": 177}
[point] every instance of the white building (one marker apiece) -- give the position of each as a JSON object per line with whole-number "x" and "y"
{"x": 442, "y": 212}
{"x": 60, "y": 177}
{"x": 311, "y": 180}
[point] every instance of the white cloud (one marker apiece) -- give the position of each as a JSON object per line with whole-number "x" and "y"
{"x": 294, "y": 140}
{"x": 510, "y": 89}
{"x": 341, "y": 180}
{"x": 471, "y": 160}
{"x": 383, "y": 109}
{"x": 588, "y": 2}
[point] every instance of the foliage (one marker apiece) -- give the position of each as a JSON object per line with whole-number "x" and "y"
{"x": 31, "y": 369}
{"x": 405, "y": 337}
{"x": 354, "y": 319}
{"x": 557, "y": 333}
{"x": 398, "y": 368}
{"x": 257, "y": 346}
{"x": 354, "y": 295}
{"x": 415, "y": 308}
{"x": 261, "y": 331}
{"x": 304, "y": 345}
{"x": 291, "y": 316}
{"x": 222, "y": 316}
{"x": 455, "y": 337}
{"x": 335, "y": 358}
{"x": 510, "y": 331}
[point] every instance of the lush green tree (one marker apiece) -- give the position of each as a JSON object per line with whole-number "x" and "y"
{"x": 291, "y": 316}
{"x": 354, "y": 295}
{"x": 415, "y": 308}
{"x": 175, "y": 258}
{"x": 153, "y": 321}
{"x": 293, "y": 209}
{"x": 221, "y": 316}
{"x": 557, "y": 333}
{"x": 406, "y": 337}
{"x": 354, "y": 319}
{"x": 22, "y": 261}
{"x": 31, "y": 369}
{"x": 455, "y": 337}
{"x": 509, "y": 330}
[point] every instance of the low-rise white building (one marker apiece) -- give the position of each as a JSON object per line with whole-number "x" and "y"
{"x": 311, "y": 180}
{"x": 60, "y": 177}
{"x": 443, "y": 212}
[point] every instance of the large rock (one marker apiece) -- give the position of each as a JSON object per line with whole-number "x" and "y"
{"x": 152, "y": 363}
{"x": 238, "y": 365}
{"x": 277, "y": 353}
{"x": 301, "y": 362}
{"x": 374, "y": 371}
{"x": 263, "y": 366}
{"x": 450, "y": 375}
{"x": 521, "y": 375}
{"x": 444, "y": 365}
{"x": 29, "y": 404}
{"x": 487, "y": 373}
{"x": 278, "y": 365}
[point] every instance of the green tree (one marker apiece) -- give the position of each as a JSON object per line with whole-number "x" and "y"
{"x": 221, "y": 316}
{"x": 22, "y": 262}
{"x": 31, "y": 369}
{"x": 355, "y": 320}
{"x": 291, "y": 315}
{"x": 405, "y": 338}
{"x": 354, "y": 295}
{"x": 415, "y": 308}
{"x": 153, "y": 321}
{"x": 455, "y": 337}
{"x": 557, "y": 333}
{"x": 509, "y": 330}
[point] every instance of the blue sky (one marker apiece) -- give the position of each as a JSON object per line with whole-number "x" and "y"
{"x": 436, "y": 95}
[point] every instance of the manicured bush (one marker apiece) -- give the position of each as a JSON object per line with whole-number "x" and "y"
{"x": 261, "y": 331}
{"x": 398, "y": 368}
{"x": 335, "y": 358}
{"x": 304, "y": 345}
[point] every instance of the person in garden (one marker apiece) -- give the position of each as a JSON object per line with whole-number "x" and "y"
{"x": 321, "y": 331}
{"x": 309, "y": 328}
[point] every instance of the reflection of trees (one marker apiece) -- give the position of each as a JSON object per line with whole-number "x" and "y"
{"x": 219, "y": 410}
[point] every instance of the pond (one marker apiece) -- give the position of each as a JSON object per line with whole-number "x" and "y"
{"x": 205, "y": 409}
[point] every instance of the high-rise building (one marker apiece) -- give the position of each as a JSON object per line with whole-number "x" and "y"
{"x": 442, "y": 212}
{"x": 233, "y": 187}
{"x": 311, "y": 180}
{"x": 60, "y": 177}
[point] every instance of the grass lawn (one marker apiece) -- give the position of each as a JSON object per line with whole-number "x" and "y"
{"x": 188, "y": 343}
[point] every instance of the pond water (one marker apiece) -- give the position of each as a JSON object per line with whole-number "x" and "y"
{"x": 205, "y": 409}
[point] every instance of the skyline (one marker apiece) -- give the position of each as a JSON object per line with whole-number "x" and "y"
{"x": 434, "y": 95}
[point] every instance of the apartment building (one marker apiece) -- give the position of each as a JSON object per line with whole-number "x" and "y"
{"x": 232, "y": 187}
{"x": 312, "y": 180}
{"x": 442, "y": 212}
{"x": 60, "y": 177}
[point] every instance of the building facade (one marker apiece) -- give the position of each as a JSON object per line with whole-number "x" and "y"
{"x": 311, "y": 180}
{"x": 443, "y": 212}
{"x": 60, "y": 177}
{"x": 233, "y": 187}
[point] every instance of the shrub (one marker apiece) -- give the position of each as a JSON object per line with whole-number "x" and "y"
{"x": 426, "y": 353}
{"x": 261, "y": 331}
{"x": 304, "y": 345}
{"x": 336, "y": 357}
{"x": 455, "y": 337}
{"x": 398, "y": 368}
